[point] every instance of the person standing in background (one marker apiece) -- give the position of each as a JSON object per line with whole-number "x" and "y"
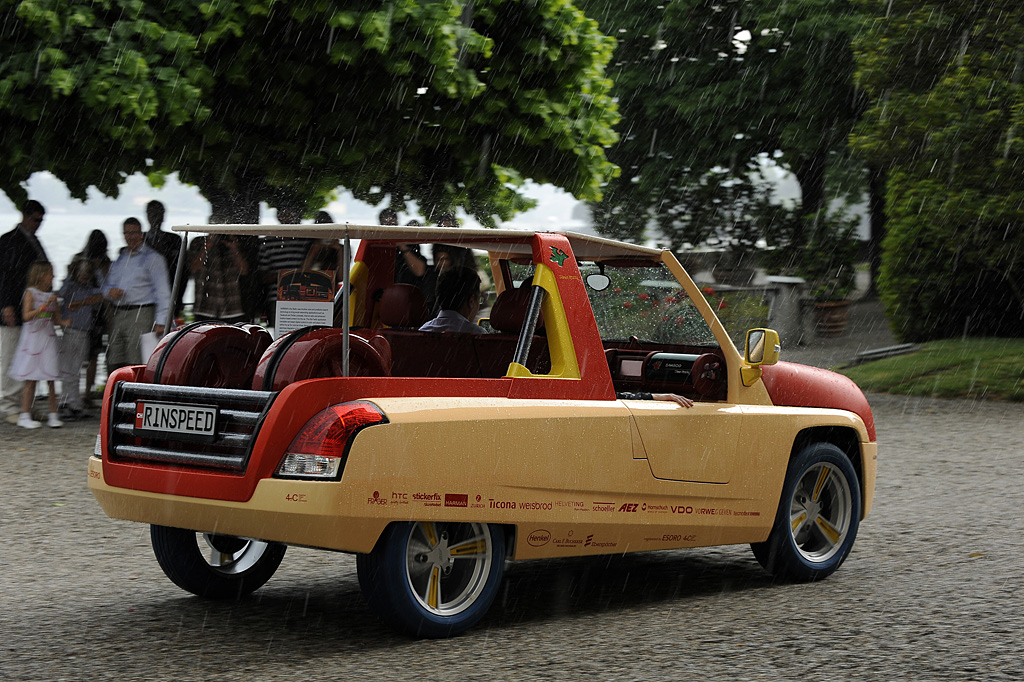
{"x": 324, "y": 254}
{"x": 80, "y": 295}
{"x": 280, "y": 253}
{"x": 95, "y": 253}
{"x": 217, "y": 264}
{"x": 19, "y": 248}
{"x": 137, "y": 286}
{"x": 36, "y": 356}
{"x": 167, "y": 244}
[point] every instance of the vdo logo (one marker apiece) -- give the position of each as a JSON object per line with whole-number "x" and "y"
{"x": 538, "y": 538}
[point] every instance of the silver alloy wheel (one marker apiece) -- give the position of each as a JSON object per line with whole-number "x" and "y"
{"x": 229, "y": 554}
{"x": 447, "y": 564}
{"x": 820, "y": 512}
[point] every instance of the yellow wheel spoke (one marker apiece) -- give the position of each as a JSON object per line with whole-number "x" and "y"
{"x": 822, "y": 477}
{"x": 430, "y": 533}
{"x": 475, "y": 547}
{"x": 828, "y": 529}
{"x": 797, "y": 521}
{"x": 434, "y": 588}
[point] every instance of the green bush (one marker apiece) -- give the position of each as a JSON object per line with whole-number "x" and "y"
{"x": 952, "y": 263}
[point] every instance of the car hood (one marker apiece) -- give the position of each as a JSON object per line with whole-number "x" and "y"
{"x": 793, "y": 385}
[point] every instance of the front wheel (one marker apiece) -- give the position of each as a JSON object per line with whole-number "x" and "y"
{"x": 817, "y": 519}
{"x": 433, "y": 579}
{"x": 215, "y": 566}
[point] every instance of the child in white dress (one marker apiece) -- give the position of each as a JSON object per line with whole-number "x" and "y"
{"x": 35, "y": 358}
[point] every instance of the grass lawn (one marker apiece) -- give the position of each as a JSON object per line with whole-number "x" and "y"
{"x": 992, "y": 369}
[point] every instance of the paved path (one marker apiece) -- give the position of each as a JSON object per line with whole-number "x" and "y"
{"x": 932, "y": 590}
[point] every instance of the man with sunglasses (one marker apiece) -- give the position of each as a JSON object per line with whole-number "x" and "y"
{"x": 19, "y": 248}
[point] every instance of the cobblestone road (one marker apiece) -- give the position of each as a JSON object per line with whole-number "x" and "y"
{"x": 933, "y": 589}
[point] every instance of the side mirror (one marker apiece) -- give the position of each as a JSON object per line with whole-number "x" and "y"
{"x": 762, "y": 349}
{"x": 598, "y": 282}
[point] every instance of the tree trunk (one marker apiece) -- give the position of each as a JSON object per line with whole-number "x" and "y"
{"x": 230, "y": 208}
{"x": 810, "y": 173}
{"x": 876, "y": 212}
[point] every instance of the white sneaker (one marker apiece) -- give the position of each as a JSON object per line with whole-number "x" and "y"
{"x": 54, "y": 421}
{"x": 26, "y": 421}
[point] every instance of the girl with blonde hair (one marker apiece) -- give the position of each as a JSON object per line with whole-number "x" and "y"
{"x": 35, "y": 358}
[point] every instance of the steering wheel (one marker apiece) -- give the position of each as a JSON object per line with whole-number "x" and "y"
{"x": 708, "y": 375}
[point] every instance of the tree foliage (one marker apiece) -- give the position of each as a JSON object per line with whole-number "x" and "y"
{"x": 946, "y": 122}
{"x": 706, "y": 85}
{"x": 86, "y": 86}
{"x": 444, "y": 102}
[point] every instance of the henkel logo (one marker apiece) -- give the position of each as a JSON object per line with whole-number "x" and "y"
{"x": 456, "y": 500}
{"x": 538, "y": 538}
{"x": 629, "y": 507}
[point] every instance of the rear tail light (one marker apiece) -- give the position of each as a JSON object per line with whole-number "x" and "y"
{"x": 319, "y": 449}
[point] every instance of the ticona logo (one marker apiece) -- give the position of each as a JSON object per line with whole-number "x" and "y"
{"x": 629, "y": 507}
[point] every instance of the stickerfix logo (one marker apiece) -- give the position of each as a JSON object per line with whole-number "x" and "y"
{"x": 629, "y": 507}
{"x": 558, "y": 256}
{"x": 451, "y": 500}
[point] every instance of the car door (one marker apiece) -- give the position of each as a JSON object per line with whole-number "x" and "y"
{"x": 695, "y": 444}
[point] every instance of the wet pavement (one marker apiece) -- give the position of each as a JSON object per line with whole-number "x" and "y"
{"x": 931, "y": 590}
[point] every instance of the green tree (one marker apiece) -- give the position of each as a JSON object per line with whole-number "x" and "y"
{"x": 444, "y": 102}
{"x": 945, "y": 123}
{"x": 85, "y": 86}
{"x": 710, "y": 84}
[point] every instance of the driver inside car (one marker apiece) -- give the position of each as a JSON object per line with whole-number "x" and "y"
{"x": 458, "y": 299}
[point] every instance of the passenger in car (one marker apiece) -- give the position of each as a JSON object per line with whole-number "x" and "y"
{"x": 458, "y": 298}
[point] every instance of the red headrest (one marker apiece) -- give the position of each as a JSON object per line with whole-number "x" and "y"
{"x": 509, "y": 310}
{"x": 403, "y": 305}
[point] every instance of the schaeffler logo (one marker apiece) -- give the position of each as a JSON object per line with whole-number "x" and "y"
{"x": 451, "y": 500}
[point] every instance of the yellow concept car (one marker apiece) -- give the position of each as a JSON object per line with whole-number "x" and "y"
{"x": 604, "y": 410}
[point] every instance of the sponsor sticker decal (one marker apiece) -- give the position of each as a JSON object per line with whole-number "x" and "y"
{"x": 455, "y": 500}
{"x": 538, "y": 538}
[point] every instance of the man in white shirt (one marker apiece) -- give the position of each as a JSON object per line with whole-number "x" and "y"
{"x": 137, "y": 286}
{"x": 458, "y": 296}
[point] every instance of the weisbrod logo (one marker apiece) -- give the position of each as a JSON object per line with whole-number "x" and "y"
{"x": 538, "y": 538}
{"x": 451, "y": 500}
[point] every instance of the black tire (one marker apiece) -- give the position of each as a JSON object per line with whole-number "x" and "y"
{"x": 818, "y": 516}
{"x": 432, "y": 579}
{"x": 215, "y": 566}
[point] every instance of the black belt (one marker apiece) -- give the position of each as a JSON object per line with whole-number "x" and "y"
{"x": 135, "y": 307}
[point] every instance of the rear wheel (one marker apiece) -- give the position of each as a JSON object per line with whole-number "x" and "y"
{"x": 818, "y": 516}
{"x": 432, "y": 579}
{"x": 215, "y": 566}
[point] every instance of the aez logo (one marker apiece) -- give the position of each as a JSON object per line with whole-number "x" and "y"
{"x": 629, "y": 507}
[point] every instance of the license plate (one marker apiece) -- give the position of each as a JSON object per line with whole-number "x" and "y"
{"x": 197, "y": 421}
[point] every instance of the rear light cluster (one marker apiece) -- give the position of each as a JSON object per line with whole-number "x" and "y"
{"x": 318, "y": 450}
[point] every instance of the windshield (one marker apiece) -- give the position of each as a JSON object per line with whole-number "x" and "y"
{"x": 647, "y": 302}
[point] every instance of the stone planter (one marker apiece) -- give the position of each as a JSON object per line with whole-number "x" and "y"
{"x": 831, "y": 318}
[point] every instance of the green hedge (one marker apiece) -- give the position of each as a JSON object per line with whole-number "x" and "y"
{"x": 953, "y": 261}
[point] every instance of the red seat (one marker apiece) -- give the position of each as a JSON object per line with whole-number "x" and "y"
{"x": 403, "y": 306}
{"x": 494, "y": 352}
